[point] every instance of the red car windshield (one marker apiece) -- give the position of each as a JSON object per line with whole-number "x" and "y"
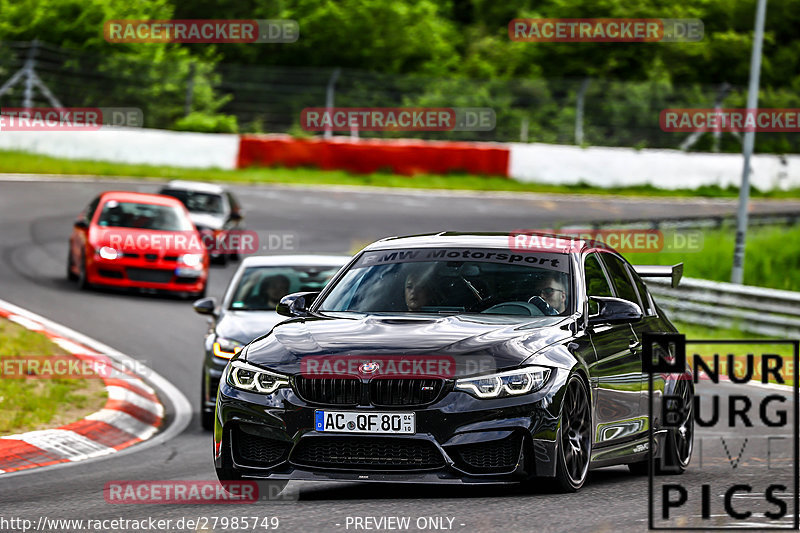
{"x": 143, "y": 216}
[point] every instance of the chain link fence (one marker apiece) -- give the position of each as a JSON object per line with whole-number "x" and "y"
{"x": 269, "y": 99}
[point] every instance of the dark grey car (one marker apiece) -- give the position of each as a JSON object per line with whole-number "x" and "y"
{"x": 247, "y": 310}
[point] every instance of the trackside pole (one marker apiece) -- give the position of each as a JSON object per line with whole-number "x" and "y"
{"x": 737, "y": 272}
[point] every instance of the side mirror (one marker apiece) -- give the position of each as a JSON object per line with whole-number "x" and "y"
{"x": 205, "y": 306}
{"x": 614, "y": 311}
{"x": 296, "y": 304}
{"x": 81, "y": 223}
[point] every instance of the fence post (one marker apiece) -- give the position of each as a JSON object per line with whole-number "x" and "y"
{"x": 579, "y": 111}
{"x": 187, "y": 106}
{"x": 31, "y": 80}
{"x": 523, "y": 130}
{"x": 722, "y": 92}
{"x": 329, "y": 95}
{"x": 30, "y": 65}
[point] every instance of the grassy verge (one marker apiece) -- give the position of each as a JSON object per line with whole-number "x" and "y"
{"x": 19, "y": 162}
{"x": 699, "y": 332}
{"x": 29, "y": 403}
{"x": 772, "y": 257}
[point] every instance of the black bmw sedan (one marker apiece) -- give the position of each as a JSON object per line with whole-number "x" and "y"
{"x": 457, "y": 358}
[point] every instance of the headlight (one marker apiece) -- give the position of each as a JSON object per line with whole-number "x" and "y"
{"x": 191, "y": 259}
{"x": 251, "y": 378}
{"x": 107, "y": 252}
{"x": 226, "y": 348}
{"x": 511, "y": 383}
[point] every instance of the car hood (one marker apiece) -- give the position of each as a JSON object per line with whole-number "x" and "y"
{"x": 146, "y": 241}
{"x": 244, "y": 326}
{"x": 207, "y": 220}
{"x": 476, "y": 344}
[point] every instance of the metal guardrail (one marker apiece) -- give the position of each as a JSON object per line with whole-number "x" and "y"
{"x": 770, "y": 312}
{"x": 788, "y": 218}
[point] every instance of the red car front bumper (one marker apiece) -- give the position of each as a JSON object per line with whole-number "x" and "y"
{"x": 164, "y": 273}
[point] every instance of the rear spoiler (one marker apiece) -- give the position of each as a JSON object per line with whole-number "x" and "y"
{"x": 674, "y": 272}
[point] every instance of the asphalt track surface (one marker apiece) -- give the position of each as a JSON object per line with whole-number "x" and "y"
{"x": 164, "y": 332}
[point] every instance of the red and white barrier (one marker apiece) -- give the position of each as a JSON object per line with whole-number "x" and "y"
{"x": 527, "y": 162}
{"x": 365, "y": 156}
{"x": 132, "y": 413}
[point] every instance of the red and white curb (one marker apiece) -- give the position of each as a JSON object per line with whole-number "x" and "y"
{"x": 133, "y": 412}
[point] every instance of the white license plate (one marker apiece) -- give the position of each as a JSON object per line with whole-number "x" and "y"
{"x": 188, "y": 272}
{"x": 349, "y": 422}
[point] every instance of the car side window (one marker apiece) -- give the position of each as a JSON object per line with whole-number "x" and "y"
{"x": 233, "y": 204}
{"x": 649, "y": 307}
{"x": 596, "y": 281}
{"x": 618, "y": 271}
{"x": 88, "y": 213}
{"x": 232, "y": 201}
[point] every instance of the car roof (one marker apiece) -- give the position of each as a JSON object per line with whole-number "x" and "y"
{"x": 141, "y": 197}
{"x": 295, "y": 260}
{"x": 197, "y": 186}
{"x": 495, "y": 240}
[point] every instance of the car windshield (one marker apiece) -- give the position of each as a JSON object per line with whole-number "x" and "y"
{"x": 454, "y": 280}
{"x": 198, "y": 202}
{"x": 143, "y": 216}
{"x": 261, "y": 288}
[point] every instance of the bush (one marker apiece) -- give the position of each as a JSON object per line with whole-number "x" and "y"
{"x": 205, "y": 123}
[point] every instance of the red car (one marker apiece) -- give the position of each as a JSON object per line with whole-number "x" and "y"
{"x": 137, "y": 240}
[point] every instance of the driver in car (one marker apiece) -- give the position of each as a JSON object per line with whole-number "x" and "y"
{"x": 552, "y": 290}
{"x": 276, "y": 288}
{"x": 418, "y": 290}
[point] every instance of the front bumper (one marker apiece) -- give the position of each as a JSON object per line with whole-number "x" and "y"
{"x": 212, "y": 372}
{"x": 458, "y": 439}
{"x": 137, "y": 274}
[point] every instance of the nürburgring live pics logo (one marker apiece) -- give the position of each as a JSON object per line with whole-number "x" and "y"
{"x": 744, "y": 469}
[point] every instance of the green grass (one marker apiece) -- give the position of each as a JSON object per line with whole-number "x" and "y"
{"x": 28, "y": 404}
{"x": 19, "y": 162}
{"x": 698, "y": 332}
{"x": 772, "y": 257}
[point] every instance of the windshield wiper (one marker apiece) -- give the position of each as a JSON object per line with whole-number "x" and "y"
{"x": 472, "y": 288}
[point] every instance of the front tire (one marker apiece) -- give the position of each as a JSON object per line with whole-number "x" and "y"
{"x": 83, "y": 282}
{"x": 575, "y": 437}
{"x": 206, "y": 417}
{"x": 71, "y": 276}
{"x": 197, "y": 294}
